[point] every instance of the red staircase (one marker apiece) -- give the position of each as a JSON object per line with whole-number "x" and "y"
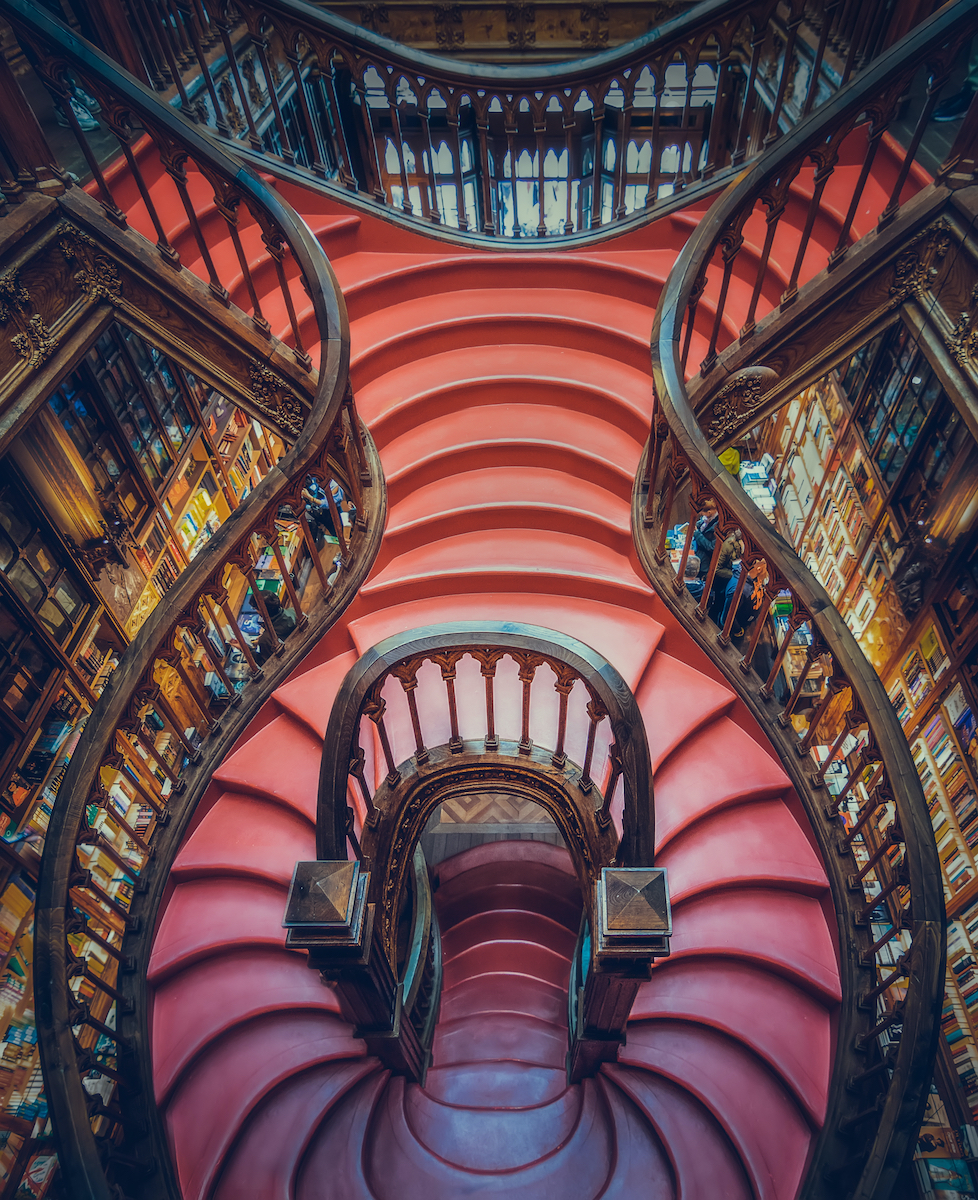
{"x": 508, "y": 394}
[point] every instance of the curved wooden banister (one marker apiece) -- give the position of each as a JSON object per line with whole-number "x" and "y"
{"x": 190, "y": 681}
{"x": 873, "y": 825}
{"x": 599, "y": 140}
{"x": 400, "y": 657}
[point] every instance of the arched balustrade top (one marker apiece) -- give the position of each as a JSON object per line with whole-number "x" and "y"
{"x": 488, "y": 641}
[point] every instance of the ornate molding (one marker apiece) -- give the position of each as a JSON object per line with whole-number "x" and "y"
{"x": 962, "y": 341}
{"x": 275, "y": 398}
{"x": 97, "y": 275}
{"x": 918, "y": 264}
{"x": 738, "y": 400}
{"x": 13, "y": 295}
{"x": 36, "y": 343}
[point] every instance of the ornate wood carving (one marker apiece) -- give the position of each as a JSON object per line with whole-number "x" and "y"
{"x": 272, "y": 396}
{"x": 917, "y": 266}
{"x": 737, "y": 401}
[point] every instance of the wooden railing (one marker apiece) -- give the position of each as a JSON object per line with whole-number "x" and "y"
{"x": 437, "y": 711}
{"x": 831, "y": 721}
{"x": 209, "y": 655}
{"x": 508, "y": 152}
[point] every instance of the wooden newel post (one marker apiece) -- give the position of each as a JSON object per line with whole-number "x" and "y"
{"x": 329, "y": 917}
{"x": 22, "y": 139}
{"x": 629, "y": 927}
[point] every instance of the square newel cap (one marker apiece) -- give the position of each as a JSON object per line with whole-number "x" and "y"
{"x": 322, "y": 895}
{"x": 634, "y": 914}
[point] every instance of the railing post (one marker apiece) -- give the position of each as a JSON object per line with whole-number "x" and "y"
{"x": 329, "y": 917}
{"x": 631, "y": 920}
{"x": 23, "y": 141}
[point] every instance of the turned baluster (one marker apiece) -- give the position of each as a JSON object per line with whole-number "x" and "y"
{"x": 488, "y": 660}
{"x": 356, "y": 770}
{"x": 794, "y": 621}
{"x": 407, "y": 675}
{"x": 447, "y": 660}
{"x": 311, "y": 128}
{"x": 528, "y": 664}
{"x": 596, "y": 713}
{"x": 614, "y": 758}
{"x": 731, "y": 241}
{"x": 453, "y": 124}
{"x": 563, "y": 686}
{"x": 374, "y": 708}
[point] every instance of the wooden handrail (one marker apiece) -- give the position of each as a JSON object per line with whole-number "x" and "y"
{"x": 872, "y": 824}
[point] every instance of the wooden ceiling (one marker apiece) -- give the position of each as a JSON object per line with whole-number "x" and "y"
{"x": 524, "y": 31}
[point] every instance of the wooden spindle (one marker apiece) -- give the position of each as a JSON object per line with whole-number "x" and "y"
{"x": 448, "y": 661}
{"x": 528, "y": 665}
{"x": 723, "y": 637}
{"x": 488, "y": 659}
{"x": 356, "y": 770}
{"x": 596, "y": 713}
{"x": 407, "y": 675}
{"x": 563, "y": 686}
{"x": 312, "y": 132}
{"x": 374, "y": 708}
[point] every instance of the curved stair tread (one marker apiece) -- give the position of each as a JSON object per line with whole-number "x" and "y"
{"x": 503, "y": 992}
{"x": 757, "y": 842}
{"x": 336, "y": 1150}
{"x": 773, "y": 1144}
{"x": 497, "y": 1084}
{"x": 617, "y": 316}
{"x": 400, "y": 1169}
{"x": 204, "y": 916}
{"x": 233, "y": 1075}
{"x": 434, "y": 328}
{"x": 245, "y": 835}
{"x": 478, "y": 516}
{"x": 372, "y": 278}
{"x": 507, "y": 554}
{"x": 705, "y": 1164}
{"x": 201, "y": 1003}
{"x": 676, "y": 700}
{"x": 500, "y": 924}
{"x": 526, "y": 958}
{"x": 281, "y": 761}
{"x": 781, "y": 931}
{"x": 488, "y": 1139}
{"x": 441, "y": 393}
{"x": 514, "y": 417}
{"x": 262, "y": 1160}
{"x": 453, "y": 380}
{"x": 515, "y": 1036}
{"x": 562, "y": 904}
{"x": 715, "y": 768}
{"x": 503, "y": 486}
{"x": 789, "y": 1028}
{"x": 309, "y": 697}
{"x": 642, "y": 1167}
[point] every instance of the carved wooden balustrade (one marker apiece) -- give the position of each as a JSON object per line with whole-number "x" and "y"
{"x": 200, "y": 666}
{"x": 534, "y": 151}
{"x": 462, "y": 708}
{"x": 828, "y": 715}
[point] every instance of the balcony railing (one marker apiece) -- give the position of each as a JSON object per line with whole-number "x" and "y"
{"x": 834, "y": 726}
{"x": 231, "y": 626}
{"x": 505, "y": 152}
